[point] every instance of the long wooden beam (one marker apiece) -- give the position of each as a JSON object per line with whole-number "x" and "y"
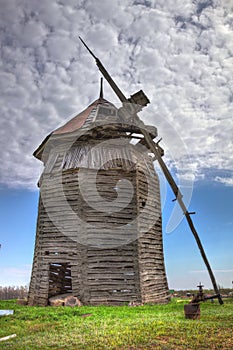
{"x": 154, "y": 149}
{"x": 178, "y": 195}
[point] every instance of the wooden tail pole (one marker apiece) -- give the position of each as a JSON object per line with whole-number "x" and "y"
{"x": 154, "y": 149}
{"x": 106, "y": 75}
{"x": 178, "y": 195}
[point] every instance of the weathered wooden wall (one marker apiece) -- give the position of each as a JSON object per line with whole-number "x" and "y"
{"x": 103, "y": 258}
{"x": 153, "y": 280}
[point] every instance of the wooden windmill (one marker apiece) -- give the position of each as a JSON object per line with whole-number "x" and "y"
{"x": 104, "y": 244}
{"x": 98, "y": 238}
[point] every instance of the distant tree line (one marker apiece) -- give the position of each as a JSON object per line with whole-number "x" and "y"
{"x": 12, "y": 292}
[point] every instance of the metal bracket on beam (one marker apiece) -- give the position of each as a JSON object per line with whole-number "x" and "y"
{"x": 175, "y": 199}
{"x": 178, "y": 195}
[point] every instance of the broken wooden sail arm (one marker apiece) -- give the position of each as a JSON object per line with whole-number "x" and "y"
{"x": 106, "y": 75}
{"x": 154, "y": 149}
{"x": 139, "y": 98}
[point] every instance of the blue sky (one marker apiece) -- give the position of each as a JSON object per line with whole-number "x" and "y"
{"x": 180, "y": 52}
{"x": 184, "y": 265}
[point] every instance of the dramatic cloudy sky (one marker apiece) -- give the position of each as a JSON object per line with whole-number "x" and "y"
{"x": 180, "y": 52}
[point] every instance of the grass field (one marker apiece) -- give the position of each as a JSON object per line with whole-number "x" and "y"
{"x": 120, "y": 327}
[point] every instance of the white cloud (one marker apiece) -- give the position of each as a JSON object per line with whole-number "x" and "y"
{"x": 60, "y": 47}
{"x": 33, "y": 34}
{"x": 179, "y": 52}
{"x": 95, "y": 10}
{"x": 225, "y": 180}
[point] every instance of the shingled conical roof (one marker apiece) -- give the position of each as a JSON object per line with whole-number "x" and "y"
{"x": 82, "y": 120}
{"x": 100, "y": 114}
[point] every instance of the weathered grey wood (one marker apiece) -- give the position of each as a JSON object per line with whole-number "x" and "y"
{"x": 128, "y": 264}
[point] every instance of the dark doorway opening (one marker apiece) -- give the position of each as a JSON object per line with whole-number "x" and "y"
{"x": 60, "y": 280}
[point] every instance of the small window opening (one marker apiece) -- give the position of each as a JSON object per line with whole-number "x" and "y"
{"x": 143, "y": 203}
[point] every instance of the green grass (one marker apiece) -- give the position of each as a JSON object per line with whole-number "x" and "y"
{"x": 120, "y": 327}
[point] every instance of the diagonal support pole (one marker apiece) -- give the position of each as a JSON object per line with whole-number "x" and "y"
{"x": 154, "y": 149}
{"x": 178, "y": 195}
